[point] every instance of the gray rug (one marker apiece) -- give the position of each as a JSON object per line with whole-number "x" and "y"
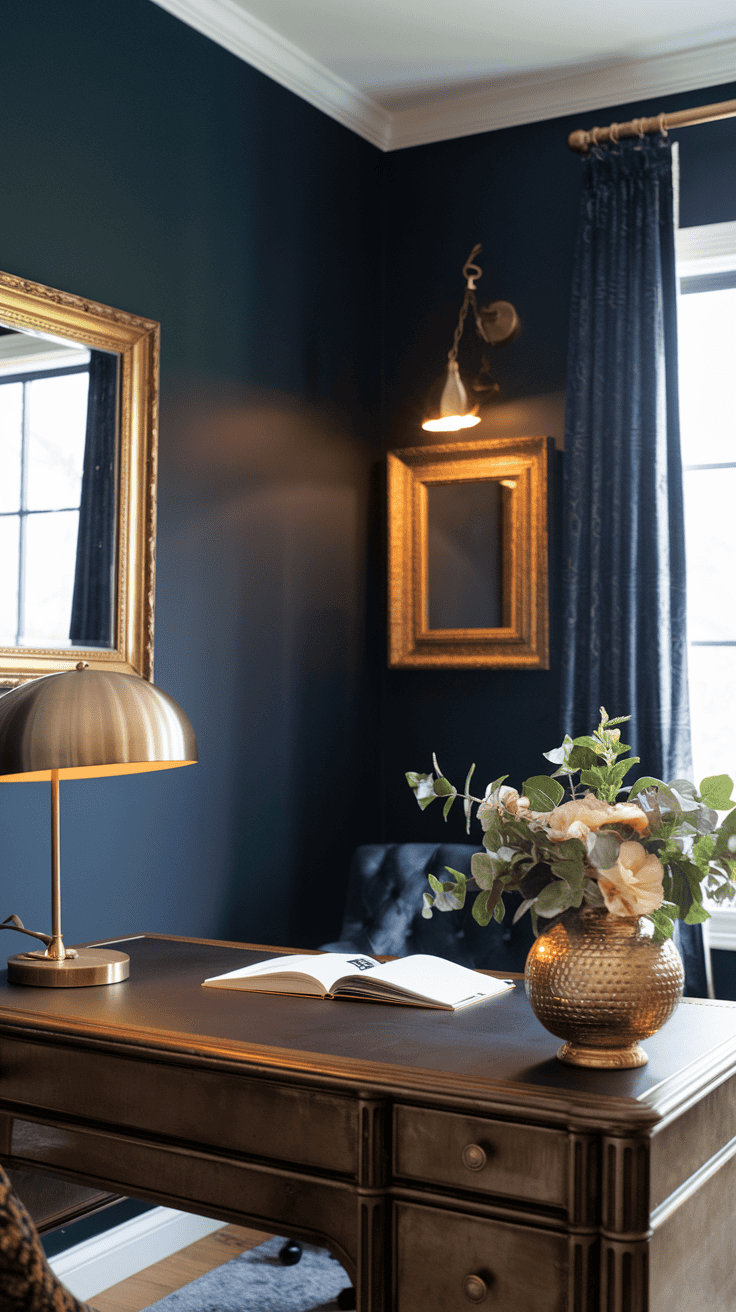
{"x": 257, "y": 1282}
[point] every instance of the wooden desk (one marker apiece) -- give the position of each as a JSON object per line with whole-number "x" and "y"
{"x": 438, "y": 1155}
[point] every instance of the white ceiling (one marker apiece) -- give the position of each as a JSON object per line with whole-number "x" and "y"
{"x": 403, "y": 72}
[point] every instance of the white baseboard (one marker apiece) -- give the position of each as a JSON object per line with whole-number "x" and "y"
{"x": 97, "y": 1264}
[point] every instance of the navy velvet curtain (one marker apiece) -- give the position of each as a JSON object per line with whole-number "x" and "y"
{"x": 92, "y": 600}
{"x": 624, "y": 597}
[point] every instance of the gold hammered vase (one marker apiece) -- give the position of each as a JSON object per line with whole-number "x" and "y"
{"x": 602, "y": 985}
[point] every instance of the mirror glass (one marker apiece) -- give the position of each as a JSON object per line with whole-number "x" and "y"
{"x": 464, "y": 555}
{"x": 59, "y": 458}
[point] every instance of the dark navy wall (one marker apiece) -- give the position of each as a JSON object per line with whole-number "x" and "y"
{"x": 517, "y": 191}
{"x": 149, "y": 169}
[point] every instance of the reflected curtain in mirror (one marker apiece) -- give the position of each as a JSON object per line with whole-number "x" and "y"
{"x": 468, "y": 554}
{"x": 94, "y": 576}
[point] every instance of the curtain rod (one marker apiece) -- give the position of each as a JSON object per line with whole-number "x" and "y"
{"x": 683, "y": 118}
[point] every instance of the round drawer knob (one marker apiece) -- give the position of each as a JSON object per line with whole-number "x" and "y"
{"x": 475, "y": 1289}
{"x": 474, "y": 1157}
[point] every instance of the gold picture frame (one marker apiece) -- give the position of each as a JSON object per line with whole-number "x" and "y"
{"x": 521, "y": 640}
{"x": 32, "y": 306}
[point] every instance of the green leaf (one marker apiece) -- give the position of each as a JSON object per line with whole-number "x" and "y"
{"x": 468, "y": 801}
{"x": 422, "y": 786}
{"x": 543, "y": 792}
{"x": 592, "y": 894}
{"x": 592, "y": 744}
{"x": 483, "y": 869}
{"x": 697, "y": 914}
{"x": 553, "y": 899}
{"x": 647, "y": 781}
{"x": 522, "y": 908}
{"x": 499, "y": 911}
{"x": 443, "y": 787}
{"x": 663, "y": 925}
{"x": 582, "y": 758}
{"x": 448, "y": 803}
{"x": 459, "y": 876}
{"x": 703, "y": 849}
{"x": 427, "y": 904}
{"x": 715, "y": 791}
{"x": 558, "y": 755}
{"x": 603, "y": 849}
{"x": 485, "y": 905}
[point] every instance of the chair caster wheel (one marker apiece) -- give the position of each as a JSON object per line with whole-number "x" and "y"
{"x": 290, "y": 1253}
{"x": 346, "y": 1299}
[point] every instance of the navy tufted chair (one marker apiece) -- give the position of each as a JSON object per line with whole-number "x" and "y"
{"x": 383, "y": 913}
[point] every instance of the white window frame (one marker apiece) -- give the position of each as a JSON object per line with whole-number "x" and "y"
{"x": 702, "y": 250}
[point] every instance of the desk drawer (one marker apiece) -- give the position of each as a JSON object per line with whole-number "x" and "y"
{"x": 484, "y": 1156}
{"x": 453, "y": 1262}
{"x": 211, "y": 1109}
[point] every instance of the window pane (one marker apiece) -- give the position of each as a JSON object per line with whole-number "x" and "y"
{"x": 706, "y": 325}
{"x": 57, "y": 432}
{"x": 710, "y": 501}
{"x": 713, "y": 710}
{"x": 51, "y": 553}
{"x": 11, "y": 427}
{"x": 9, "y": 531}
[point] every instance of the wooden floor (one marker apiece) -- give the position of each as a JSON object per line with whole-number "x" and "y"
{"x": 163, "y": 1278}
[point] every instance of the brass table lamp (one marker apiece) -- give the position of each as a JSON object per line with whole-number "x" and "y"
{"x": 82, "y": 724}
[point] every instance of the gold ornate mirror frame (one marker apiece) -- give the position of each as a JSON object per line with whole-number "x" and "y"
{"x": 29, "y": 305}
{"x": 520, "y": 465}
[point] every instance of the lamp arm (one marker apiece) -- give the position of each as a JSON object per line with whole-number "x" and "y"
{"x": 15, "y": 922}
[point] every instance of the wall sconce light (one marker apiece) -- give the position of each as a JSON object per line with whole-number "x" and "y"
{"x": 81, "y": 724}
{"x": 459, "y": 399}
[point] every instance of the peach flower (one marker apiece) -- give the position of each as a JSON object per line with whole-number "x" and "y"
{"x": 633, "y": 887}
{"x": 586, "y": 814}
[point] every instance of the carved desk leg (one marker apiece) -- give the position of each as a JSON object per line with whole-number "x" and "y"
{"x": 373, "y": 1246}
{"x": 625, "y": 1225}
{"x": 583, "y": 1212}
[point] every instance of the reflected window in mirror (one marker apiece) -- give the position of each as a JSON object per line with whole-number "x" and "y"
{"x": 58, "y": 470}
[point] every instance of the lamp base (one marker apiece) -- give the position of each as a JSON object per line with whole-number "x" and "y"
{"x": 90, "y": 966}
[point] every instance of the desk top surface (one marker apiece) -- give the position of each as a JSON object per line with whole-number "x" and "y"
{"x": 496, "y": 1045}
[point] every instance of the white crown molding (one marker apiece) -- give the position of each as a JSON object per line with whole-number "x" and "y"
{"x": 504, "y": 103}
{"x": 544, "y": 96}
{"x": 230, "y": 26}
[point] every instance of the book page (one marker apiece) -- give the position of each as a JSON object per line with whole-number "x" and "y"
{"x": 434, "y": 978}
{"x": 323, "y": 967}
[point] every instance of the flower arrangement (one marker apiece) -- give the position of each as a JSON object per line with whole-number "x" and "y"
{"x": 657, "y": 853}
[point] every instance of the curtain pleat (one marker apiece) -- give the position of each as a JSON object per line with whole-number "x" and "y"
{"x": 624, "y": 584}
{"x": 94, "y": 578}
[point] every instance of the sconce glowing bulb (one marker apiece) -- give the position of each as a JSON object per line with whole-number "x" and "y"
{"x": 455, "y": 412}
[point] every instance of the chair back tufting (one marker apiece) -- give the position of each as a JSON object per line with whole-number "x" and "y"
{"x": 383, "y": 913}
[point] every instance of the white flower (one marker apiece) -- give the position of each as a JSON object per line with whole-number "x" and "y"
{"x": 633, "y": 887}
{"x": 498, "y": 800}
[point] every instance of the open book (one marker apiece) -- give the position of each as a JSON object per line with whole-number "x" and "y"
{"x": 418, "y": 981}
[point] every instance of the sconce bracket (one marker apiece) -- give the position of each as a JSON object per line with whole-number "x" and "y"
{"x": 498, "y": 323}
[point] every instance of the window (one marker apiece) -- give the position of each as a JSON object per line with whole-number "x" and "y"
{"x": 706, "y": 265}
{"x": 707, "y": 346}
{"x": 43, "y": 418}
